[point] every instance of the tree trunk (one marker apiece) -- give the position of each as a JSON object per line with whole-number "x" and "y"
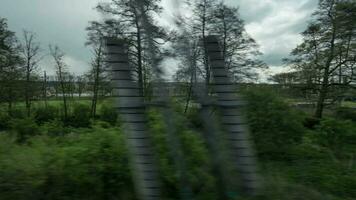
{"x": 27, "y": 88}
{"x": 63, "y": 95}
{"x": 322, "y": 96}
{"x": 96, "y": 81}
{"x": 139, "y": 57}
{"x": 206, "y": 61}
{"x": 95, "y": 92}
{"x": 188, "y": 96}
{"x": 325, "y": 84}
{"x": 45, "y": 89}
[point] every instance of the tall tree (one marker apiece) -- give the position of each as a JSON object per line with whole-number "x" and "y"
{"x": 240, "y": 50}
{"x": 98, "y": 70}
{"x": 188, "y": 53}
{"x": 132, "y": 20}
{"x": 10, "y": 66}
{"x": 328, "y": 50}
{"x": 201, "y": 25}
{"x": 61, "y": 71}
{"x": 30, "y": 52}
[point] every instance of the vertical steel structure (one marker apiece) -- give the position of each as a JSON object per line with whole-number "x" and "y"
{"x": 130, "y": 105}
{"x": 233, "y": 122}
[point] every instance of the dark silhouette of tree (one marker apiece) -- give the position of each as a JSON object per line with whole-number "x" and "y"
{"x": 240, "y": 51}
{"x": 132, "y": 20}
{"x": 10, "y": 66}
{"x": 200, "y": 23}
{"x": 328, "y": 51}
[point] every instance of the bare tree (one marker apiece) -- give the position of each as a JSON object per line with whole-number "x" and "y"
{"x": 200, "y": 23}
{"x": 61, "y": 70}
{"x": 30, "y": 53}
{"x": 97, "y": 72}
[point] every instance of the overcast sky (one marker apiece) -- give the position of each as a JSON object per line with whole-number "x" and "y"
{"x": 274, "y": 24}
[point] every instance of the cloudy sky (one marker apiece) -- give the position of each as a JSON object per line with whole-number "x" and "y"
{"x": 275, "y": 24}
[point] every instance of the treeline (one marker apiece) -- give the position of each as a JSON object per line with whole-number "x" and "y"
{"x": 21, "y": 78}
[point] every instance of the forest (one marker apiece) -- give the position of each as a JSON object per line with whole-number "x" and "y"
{"x": 62, "y": 136}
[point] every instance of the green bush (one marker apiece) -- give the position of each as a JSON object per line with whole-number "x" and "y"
{"x": 55, "y": 128}
{"x": 337, "y": 135}
{"x": 4, "y": 121}
{"x": 108, "y": 114}
{"x": 22, "y": 170}
{"x": 45, "y": 114}
{"x": 274, "y": 125}
{"x": 80, "y": 116}
{"x": 346, "y": 113}
{"x": 18, "y": 113}
{"x": 24, "y": 128}
{"x": 199, "y": 179}
{"x": 88, "y": 164}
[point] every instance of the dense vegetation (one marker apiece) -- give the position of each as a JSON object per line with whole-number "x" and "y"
{"x": 44, "y": 157}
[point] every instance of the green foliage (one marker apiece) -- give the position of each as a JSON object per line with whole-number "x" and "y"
{"x": 346, "y": 113}
{"x": 80, "y": 116}
{"x": 18, "y": 113}
{"x": 108, "y": 114}
{"x": 45, "y": 114}
{"x": 196, "y": 159}
{"x": 275, "y": 126}
{"x": 277, "y": 188}
{"x": 24, "y": 128}
{"x": 337, "y": 135}
{"x": 88, "y": 164}
{"x": 21, "y": 170}
{"x": 4, "y": 120}
{"x": 55, "y": 128}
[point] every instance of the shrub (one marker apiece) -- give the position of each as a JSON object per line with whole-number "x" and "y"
{"x": 4, "y": 121}
{"x": 24, "y": 128}
{"x": 198, "y": 178}
{"x": 90, "y": 164}
{"x": 80, "y": 116}
{"x": 108, "y": 114}
{"x": 274, "y": 125}
{"x": 45, "y": 114}
{"x": 55, "y": 128}
{"x": 337, "y": 135}
{"x": 18, "y": 113}
{"x": 346, "y": 113}
{"x": 86, "y": 165}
